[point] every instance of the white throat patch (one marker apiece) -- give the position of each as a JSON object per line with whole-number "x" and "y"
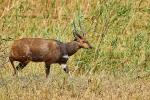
{"x": 65, "y": 56}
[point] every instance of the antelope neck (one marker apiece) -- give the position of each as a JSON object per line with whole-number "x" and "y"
{"x": 72, "y": 47}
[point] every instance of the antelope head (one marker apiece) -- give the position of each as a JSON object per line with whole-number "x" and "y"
{"x": 83, "y": 43}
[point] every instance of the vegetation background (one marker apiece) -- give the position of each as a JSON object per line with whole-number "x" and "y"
{"x": 118, "y": 68}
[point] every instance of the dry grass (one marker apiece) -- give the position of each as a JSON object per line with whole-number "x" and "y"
{"x": 33, "y": 86}
{"x": 117, "y": 68}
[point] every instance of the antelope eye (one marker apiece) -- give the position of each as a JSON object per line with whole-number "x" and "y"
{"x": 83, "y": 41}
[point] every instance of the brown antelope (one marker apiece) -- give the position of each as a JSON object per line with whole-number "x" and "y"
{"x": 45, "y": 50}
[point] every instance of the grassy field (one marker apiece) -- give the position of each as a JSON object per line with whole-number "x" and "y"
{"x": 118, "y": 68}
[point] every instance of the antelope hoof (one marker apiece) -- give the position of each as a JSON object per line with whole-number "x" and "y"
{"x": 15, "y": 74}
{"x": 18, "y": 68}
{"x": 66, "y": 70}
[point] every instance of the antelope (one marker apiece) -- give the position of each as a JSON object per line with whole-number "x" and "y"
{"x": 49, "y": 51}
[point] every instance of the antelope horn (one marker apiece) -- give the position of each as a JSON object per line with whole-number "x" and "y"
{"x": 81, "y": 28}
{"x": 75, "y": 32}
{"x": 75, "y": 29}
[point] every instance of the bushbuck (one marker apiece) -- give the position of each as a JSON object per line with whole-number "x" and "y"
{"x": 45, "y": 50}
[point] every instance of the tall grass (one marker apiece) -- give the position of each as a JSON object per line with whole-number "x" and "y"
{"x": 117, "y": 68}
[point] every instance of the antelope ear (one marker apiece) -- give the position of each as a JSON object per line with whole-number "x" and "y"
{"x": 76, "y": 38}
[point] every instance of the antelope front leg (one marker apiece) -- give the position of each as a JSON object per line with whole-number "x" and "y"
{"x": 47, "y": 69}
{"x": 65, "y": 67}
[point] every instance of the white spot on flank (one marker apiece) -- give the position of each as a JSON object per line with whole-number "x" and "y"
{"x": 65, "y": 56}
{"x": 64, "y": 66}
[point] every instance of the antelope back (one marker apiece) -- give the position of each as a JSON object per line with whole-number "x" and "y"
{"x": 35, "y": 49}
